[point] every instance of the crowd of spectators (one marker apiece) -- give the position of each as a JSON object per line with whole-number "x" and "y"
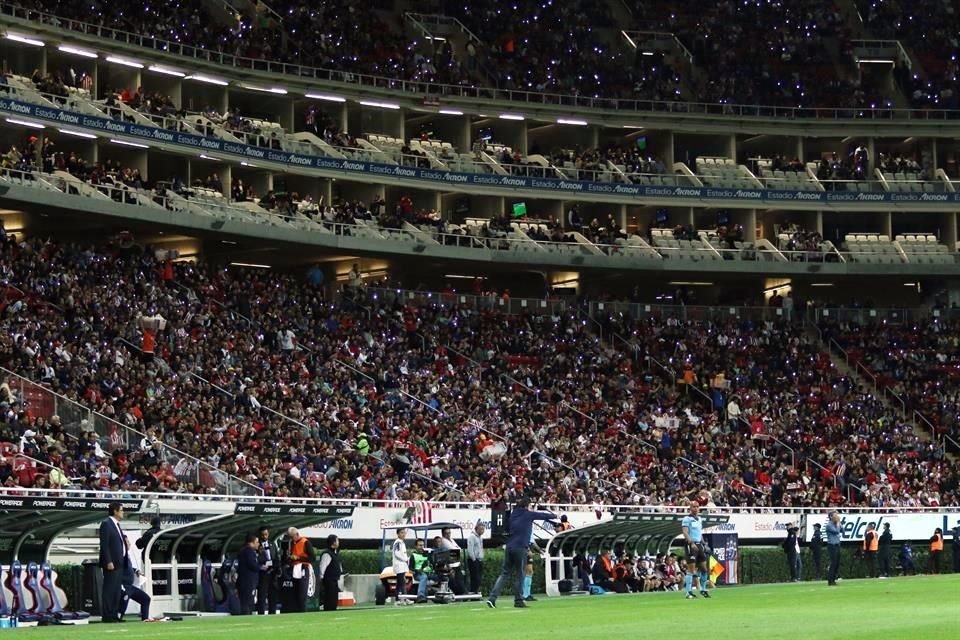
{"x": 836, "y": 169}
{"x": 259, "y": 375}
{"x": 563, "y": 48}
{"x": 758, "y": 53}
{"x": 918, "y": 362}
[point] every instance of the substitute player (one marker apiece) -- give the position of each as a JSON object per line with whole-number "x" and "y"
{"x": 696, "y": 576}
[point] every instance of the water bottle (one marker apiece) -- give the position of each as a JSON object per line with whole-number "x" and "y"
{"x": 14, "y": 622}
{"x": 4, "y": 622}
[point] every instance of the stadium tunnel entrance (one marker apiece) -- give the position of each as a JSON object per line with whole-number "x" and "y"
{"x": 636, "y": 533}
{"x": 179, "y": 559}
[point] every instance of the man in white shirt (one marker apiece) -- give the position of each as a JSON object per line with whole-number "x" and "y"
{"x": 475, "y": 557}
{"x": 401, "y": 563}
{"x": 456, "y": 580}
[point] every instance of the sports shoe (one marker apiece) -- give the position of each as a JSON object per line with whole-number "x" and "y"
{"x": 705, "y": 594}
{"x": 530, "y": 599}
{"x": 492, "y": 603}
{"x": 520, "y": 604}
{"x": 691, "y": 595}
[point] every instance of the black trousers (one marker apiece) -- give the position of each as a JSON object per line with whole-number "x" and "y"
{"x": 817, "y": 562}
{"x": 476, "y": 572}
{"x": 300, "y": 589}
{"x": 245, "y": 595}
{"x": 266, "y": 593}
{"x": 933, "y": 566}
{"x": 513, "y": 562}
{"x": 871, "y": 558}
{"x": 331, "y": 597}
{"x": 884, "y": 557}
{"x": 112, "y": 595}
{"x": 833, "y": 552}
{"x": 956, "y": 558}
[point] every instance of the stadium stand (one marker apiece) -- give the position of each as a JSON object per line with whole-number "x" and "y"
{"x": 366, "y": 395}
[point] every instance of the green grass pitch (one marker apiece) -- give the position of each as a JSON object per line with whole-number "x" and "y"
{"x": 915, "y": 608}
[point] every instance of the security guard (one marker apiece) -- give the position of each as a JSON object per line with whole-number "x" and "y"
{"x": 936, "y": 550}
{"x": 871, "y": 544}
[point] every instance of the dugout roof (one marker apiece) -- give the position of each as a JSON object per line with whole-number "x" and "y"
{"x": 639, "y": 533}
{"x": 29, "y": 525}
{"x": 214, "y": 537}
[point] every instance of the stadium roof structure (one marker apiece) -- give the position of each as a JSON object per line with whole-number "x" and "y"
{"x": 639, "y": 533}
{"x": 29, "y": 525}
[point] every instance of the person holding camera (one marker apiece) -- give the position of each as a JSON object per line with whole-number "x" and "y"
{"x": 518, "y": 540}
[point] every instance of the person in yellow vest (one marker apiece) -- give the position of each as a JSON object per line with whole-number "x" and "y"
{"x": 871, "y": 544}
{"x": 936, "y": 550}
{"x": 300, "y": 556}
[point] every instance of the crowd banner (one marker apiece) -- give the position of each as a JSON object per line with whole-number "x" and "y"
{"x": 439, "y": 177}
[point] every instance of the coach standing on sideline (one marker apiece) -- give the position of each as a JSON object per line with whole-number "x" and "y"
{"x": 833, "y": 548}
{"x": 521, "y": 530}
{"x": 113, "y": 559}
{"x": 475, "y": 557}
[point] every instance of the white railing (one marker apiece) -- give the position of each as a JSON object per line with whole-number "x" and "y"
{"x": 78, "y": 419}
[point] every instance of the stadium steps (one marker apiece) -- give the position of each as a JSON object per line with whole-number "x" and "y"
{"x": 863, "y": 381}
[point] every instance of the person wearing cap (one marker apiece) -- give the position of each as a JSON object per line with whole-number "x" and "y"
{"x": 833, "y": 548}
{"x": 886, "y": 539}
{"x": 955, "y": 532}
{"x": 816, "y": 550}
{"x": 791, "y": 546}
{"x": 518, "y": 540}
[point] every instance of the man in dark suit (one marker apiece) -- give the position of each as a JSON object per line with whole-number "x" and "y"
{"x": 791, "y": 546}
{"x": 267, "y": 584}
{"x": 248, "y": 573}
{"x": 113, "y": 560}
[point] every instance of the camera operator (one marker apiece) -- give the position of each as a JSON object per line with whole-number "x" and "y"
{"x": 456, "y": 580}
{"x": 267, "y": 583}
